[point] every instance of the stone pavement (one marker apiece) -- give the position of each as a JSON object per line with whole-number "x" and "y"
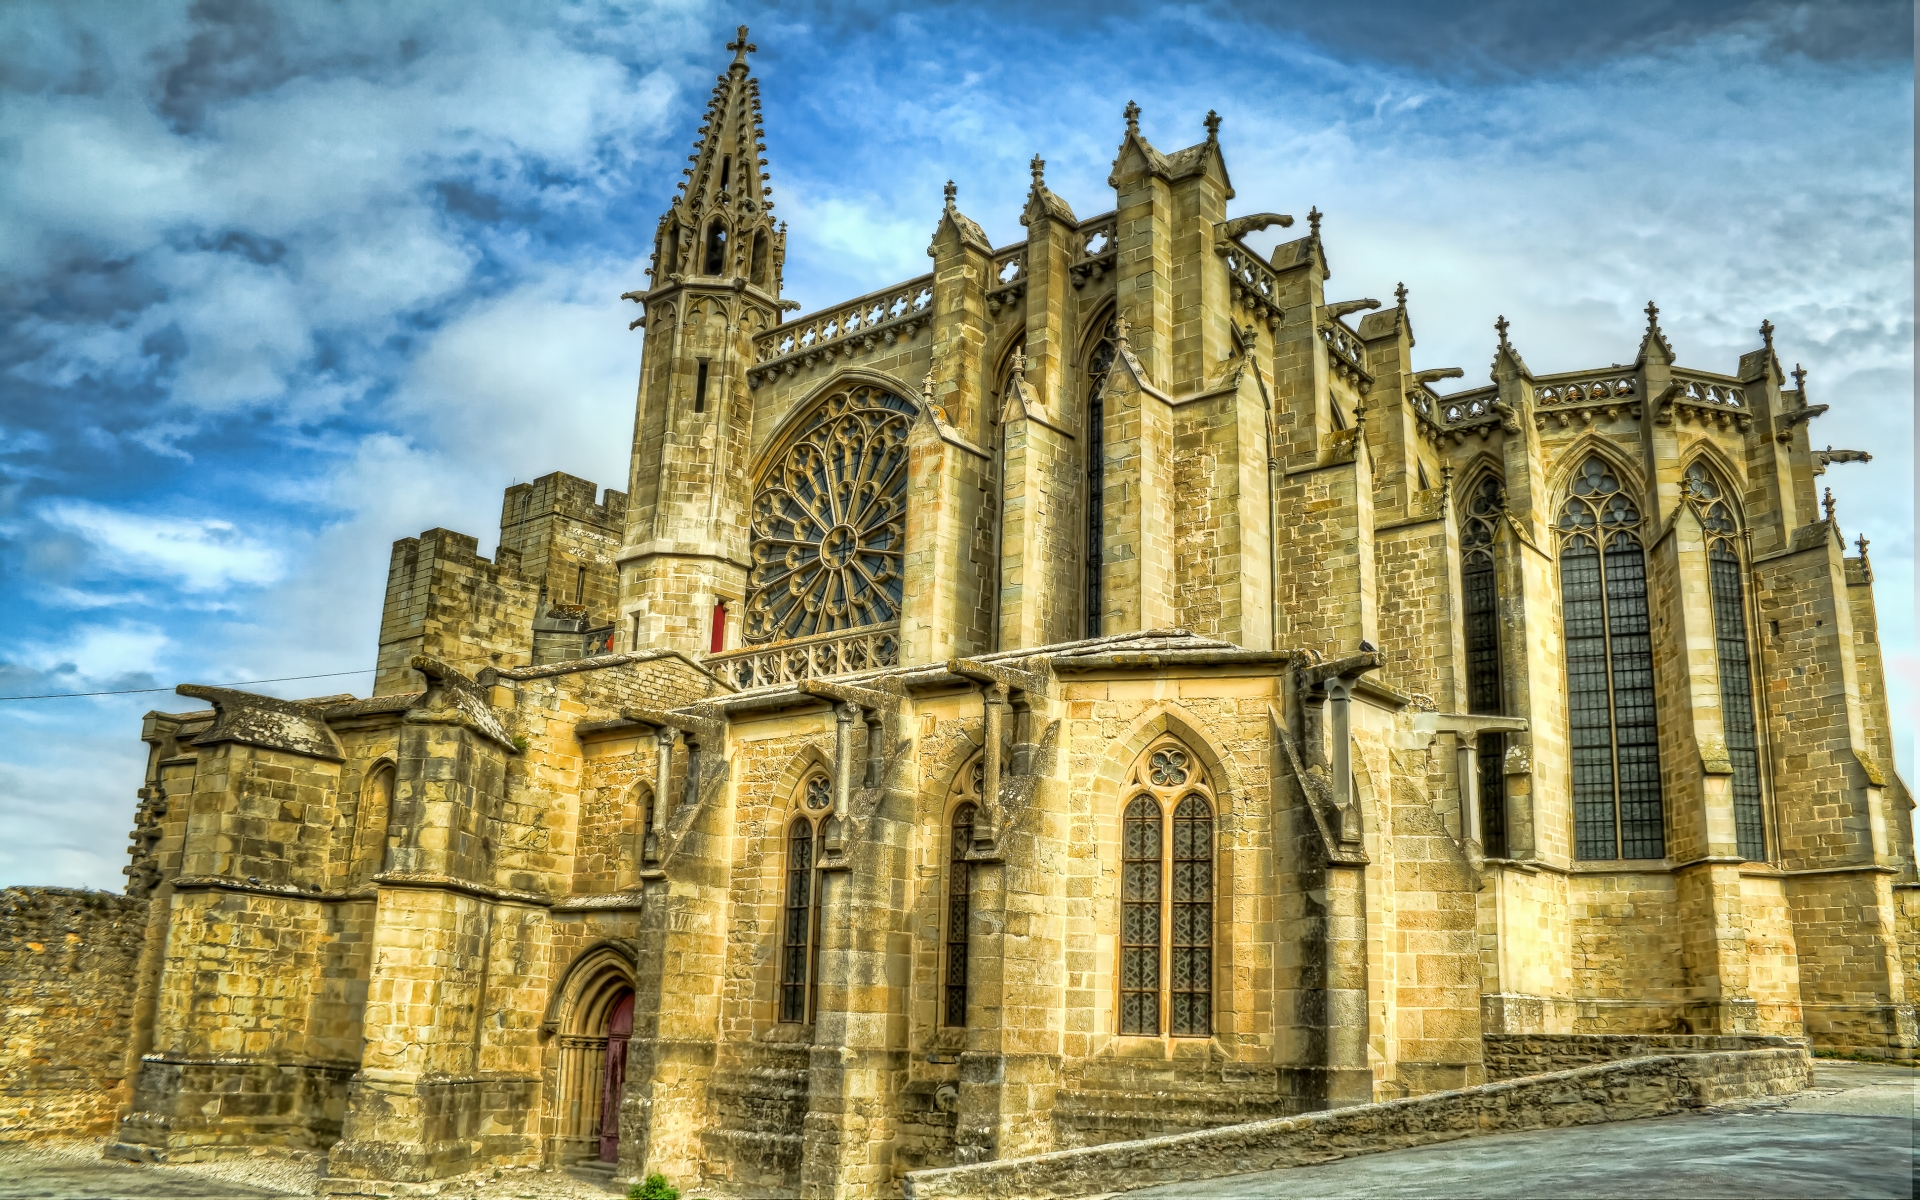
{"x": 1851, "y": 1135}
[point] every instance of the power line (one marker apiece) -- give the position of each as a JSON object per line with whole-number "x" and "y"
{"x": 138, "y": 691}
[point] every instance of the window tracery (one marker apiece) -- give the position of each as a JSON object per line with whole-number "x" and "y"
{"x": 1485, "y": 688}
{"x": 1617, "y": 803}
{"x": 1727, "y": 578}
{"x": 1167, "y": 896}
{"x": 829, "y": 521}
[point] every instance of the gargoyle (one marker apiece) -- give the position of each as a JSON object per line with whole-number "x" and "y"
{"x": 1242, "y": 226}
{"x": 1336, "y": 311}
{"x": 1429, "y": 376}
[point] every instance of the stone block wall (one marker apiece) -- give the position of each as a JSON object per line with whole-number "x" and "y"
{"x": 1621, "y": 1091}
{"x": 1515, "y": 1055}
{"x": 67, "y": 961}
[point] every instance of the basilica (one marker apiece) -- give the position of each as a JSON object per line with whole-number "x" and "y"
{"x": 1105, "y": 686}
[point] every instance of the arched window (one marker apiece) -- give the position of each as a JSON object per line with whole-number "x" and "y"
{"x": 1736, "y": 667}
{"x": 716, "y": 259}
{"x": 959, "y": 913}
{"x": 800, "y": 930}
{"x": 759, "y": 258}
{"x": 1615, "y": 742}
{"x": 796, "y": 960}
{"x": 829, "y": 521}
{"x": 1099, "y": 362}
{"x": 1485, "y": 691}
{"x": 1167, "y": 870}
{"x": 370, "y": 824}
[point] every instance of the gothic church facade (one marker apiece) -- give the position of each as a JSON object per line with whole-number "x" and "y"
{"x": 1100, "y": 687}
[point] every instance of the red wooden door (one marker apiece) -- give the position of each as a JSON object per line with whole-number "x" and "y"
{"x": 619, "y": 1029}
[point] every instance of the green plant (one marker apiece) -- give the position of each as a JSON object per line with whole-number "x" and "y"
{"x": 655, "y": 1188}
{"x": 520, "y": 742}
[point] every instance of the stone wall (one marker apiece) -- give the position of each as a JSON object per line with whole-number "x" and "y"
{"x": 1645, "y": 1087}
{"x": 66, "y": 985}
{"x": 1515, "y": 1055}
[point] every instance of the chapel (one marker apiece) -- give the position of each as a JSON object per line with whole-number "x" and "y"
{"x": 1101, "y": 687}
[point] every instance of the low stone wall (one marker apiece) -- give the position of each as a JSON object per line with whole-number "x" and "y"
{"x": 67, "y": 960}
{"x": 1514, "y": 1055}
{"x": 1616, "y": 1091}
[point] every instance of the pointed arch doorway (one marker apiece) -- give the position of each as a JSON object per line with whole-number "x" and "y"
{"x": 614, "y": 1076}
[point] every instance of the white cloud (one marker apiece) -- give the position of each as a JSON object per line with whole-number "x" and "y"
{"x": 200, "y": 553}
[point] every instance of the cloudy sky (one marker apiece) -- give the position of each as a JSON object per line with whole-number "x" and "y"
{"x": 280, "y": 283}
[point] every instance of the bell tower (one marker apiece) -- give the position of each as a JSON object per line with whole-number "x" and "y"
{"x": 715, "y": 283}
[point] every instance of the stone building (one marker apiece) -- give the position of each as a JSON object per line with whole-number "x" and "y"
{"x": 1099, "y": 687}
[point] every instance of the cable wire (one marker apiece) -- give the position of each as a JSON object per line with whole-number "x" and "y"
{"x": 138, "y": 691}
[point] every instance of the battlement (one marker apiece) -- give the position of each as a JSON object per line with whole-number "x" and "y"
{"x": 446, "y": 600}
{"x": 563, "y": 495}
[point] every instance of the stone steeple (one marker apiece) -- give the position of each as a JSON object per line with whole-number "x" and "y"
{"x": 720, "y": 224}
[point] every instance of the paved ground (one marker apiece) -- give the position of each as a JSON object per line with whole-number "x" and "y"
{"x": 1851, "y": 1136}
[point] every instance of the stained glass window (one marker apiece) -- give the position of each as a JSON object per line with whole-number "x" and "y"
{"x": 1191, "y": 973}
{"x": 1167, "y": 896}
{"x": 829, "y": 521}
{"x": 1485, "y": 693}
{"x": 796, "y": 961}
{"x": 1617, "y": 811}
{"x": 1735, "y": 664}
{"x": 1100, "y": 362}
{"x": 1140, "y": 918}
{"x": 959, "y": 883}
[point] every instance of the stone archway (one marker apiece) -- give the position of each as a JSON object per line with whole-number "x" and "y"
{"x": 592, "y": 1016}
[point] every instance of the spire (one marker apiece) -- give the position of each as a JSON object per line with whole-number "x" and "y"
{"x": 1313, "y": 222}
{"x": 1039, "y": 168}
{"x": 1132, "y": 114}
{"x": 1866, "y": 567}
{"x": 725, "y": 189}
{"x": 1766, "y": 333}
{"x": 1826, "y": 502}
{"x": 1500, "y": 326}
{"x": 1400, "y": 294}
{"x": 1800, "y": 382}
{"x": 1213, "y": 126}
{"x": 953, "y": 194}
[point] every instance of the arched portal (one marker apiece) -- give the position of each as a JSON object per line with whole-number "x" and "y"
{"x": 593, "y": 1012}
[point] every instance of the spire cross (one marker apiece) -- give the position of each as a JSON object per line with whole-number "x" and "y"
{"x": 1400, "y": 294}
{"x": 1863, "y": 543}
{"x": 1313, "y": 220}
{"x": 952, "y": 192}
{"x": 1213, "y": 125}
{"x": 1826, "y": 502}
{"x": 741, "y": 47}
{"x": 1132, "y": 113}
{"x": 1121, "y": 327}
{"x": 1766, "y": 333}
{"x": 1800, "y": 381}
{"x": 1500, "y": 327}
{"x": 1019, "y": 366}
{"x": 1039, "y": 168}
{"x": 1653, "y": 315}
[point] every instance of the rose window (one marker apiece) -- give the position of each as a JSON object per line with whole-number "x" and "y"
{"x": 829, "y": 521}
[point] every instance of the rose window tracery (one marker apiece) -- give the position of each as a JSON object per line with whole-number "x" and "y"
{"x": 829, "y": 521}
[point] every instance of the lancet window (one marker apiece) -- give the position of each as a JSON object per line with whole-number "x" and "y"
{"x": 800, "y": 927}
{"x": 1099, "y": 362}
{"x": 1167, "y": 896}
{"x": 829, "y": 521}
{"x": 716, "y": 256}
{"x": 959, "y": 897}
{"x": 1603, "y": 596}
{"x": 1485, "y": 690}
{"x": 1727, "y": 577}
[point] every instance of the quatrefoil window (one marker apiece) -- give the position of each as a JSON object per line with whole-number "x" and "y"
{"x": 1168, "y": 768}
{"x": 829, "y": 521}
{"x": 819, "y": 793}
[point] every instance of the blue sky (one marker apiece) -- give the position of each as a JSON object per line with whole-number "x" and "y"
{"x": 280, "y": 283}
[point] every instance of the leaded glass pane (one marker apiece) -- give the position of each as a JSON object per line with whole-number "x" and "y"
{"x": 959, "y": 913}
{"x": 1192, "y": 943}
{"x": 1483, "y": 634}
{"x": 1636, "y": 739}
{"x": 1736, "y": 699}
{"x": 1140, "y": 918}
{"x": 1492, "y": 754}
{"x": 1583, "y": 610}
{"x": 794, "y": 959}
